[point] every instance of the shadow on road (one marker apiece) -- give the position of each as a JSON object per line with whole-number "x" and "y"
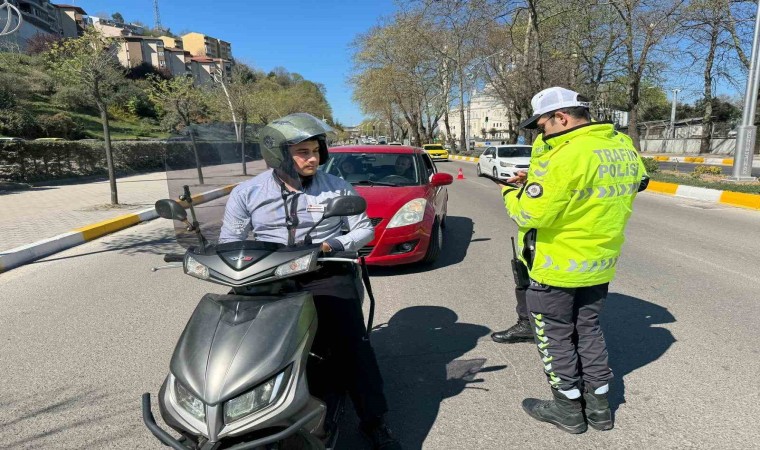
{"x": 633, "y": 337}
{"x": 456, "y": 240}
{"x": 45, "y": 416}
{"x": 418, "y": 351}
{"x": 158, "y": 242}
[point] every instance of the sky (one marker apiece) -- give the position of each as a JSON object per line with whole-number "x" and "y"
{"x": 309, "y": 37}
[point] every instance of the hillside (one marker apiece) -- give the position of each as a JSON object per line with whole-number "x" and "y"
{"x": 33, "y": 105}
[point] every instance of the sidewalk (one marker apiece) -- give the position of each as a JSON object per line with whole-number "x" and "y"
{"x": 46, "y": 219}
{"x": 46, "y": 211}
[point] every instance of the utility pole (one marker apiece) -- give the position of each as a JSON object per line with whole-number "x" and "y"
{"x": 156, "y": 16}
{"x": 673, "y": 113}
{"x": 747, "y": 132}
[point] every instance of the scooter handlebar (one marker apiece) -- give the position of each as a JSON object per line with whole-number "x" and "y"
{"x": 351, "y": 255}
{"x": 174, "y": 257}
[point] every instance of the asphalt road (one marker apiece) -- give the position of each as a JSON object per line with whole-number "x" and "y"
{"x": 688, "y": 168}
{"x": 85, "y": 332}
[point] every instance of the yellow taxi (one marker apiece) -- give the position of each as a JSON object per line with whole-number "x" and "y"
{"x": 436, "y": 152}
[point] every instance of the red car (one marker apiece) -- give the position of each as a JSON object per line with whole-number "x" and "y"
{"x": 406, "y": 200}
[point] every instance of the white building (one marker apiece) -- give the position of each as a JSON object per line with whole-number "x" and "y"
{"x": 486, "y": 112}
{"x": 482, "y": 112}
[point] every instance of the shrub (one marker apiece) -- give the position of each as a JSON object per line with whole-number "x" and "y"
{"x": 7, "y": 97}
{"x": 73, "y": 99}
{"x": 18, "y": 122}
{"x": 706, "y": 170}
{"x": 651, "y": 165}
{"x": 60, "y": 125}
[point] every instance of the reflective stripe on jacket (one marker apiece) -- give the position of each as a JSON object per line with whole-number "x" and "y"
{"x": 575, "y": 204}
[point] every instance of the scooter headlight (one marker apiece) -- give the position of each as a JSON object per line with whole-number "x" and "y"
{"x": 196, "y": 269}
{"x": 189, "y": 402}
{"x": 298, "y": 265}
{"x": 260, "y": 397}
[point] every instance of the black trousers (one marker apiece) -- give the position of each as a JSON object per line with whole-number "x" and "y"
{"x": 568, "y": 334}
{"x": 522, "y": 303}
{"x": 348, "y": 358}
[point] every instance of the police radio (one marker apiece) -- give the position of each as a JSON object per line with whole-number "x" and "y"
{"x": 519, "y": 271}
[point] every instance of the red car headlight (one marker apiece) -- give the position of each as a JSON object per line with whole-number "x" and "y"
{"x": 409, "y": 214}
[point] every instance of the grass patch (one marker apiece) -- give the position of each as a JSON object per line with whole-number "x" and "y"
{"x": 706, "y": 181}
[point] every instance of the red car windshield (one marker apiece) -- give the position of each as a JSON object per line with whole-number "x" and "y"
{"x": 382, "y": 169}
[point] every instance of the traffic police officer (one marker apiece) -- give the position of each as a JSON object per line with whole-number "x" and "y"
{"x": 571, "y": 213}
{"x": 281, "y": 205}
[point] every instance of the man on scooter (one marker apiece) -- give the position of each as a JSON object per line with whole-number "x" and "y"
{"x": 281, "y": 205}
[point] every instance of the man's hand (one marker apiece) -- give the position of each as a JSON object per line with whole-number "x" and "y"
{"x": 326, "y": 248}
{"x": 519, "y": 178}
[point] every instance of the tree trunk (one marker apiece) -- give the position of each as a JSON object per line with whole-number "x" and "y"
{"x": 242, "y": 144}
{"x": 195, "y": 152}
{"x": 416, "y": 127}
{"x": 633, "y": 108}
{"x": 704, "y": 145}
{"x": 109, "y": 152}
{"x": 462, "y": 130}
{"x": 449, "y": 139}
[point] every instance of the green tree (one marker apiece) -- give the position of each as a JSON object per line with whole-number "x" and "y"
{"x": 182, "y": 99}
{"x": 90, "y": 62}
{"x": 117, "y": 17}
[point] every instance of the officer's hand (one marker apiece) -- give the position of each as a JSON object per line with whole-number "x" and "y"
{"x": 326, "y": 248}
{"x": 519, "y": 178}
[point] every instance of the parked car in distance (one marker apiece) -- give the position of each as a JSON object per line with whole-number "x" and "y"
{"x": 11, "y": 139}
{"x": 406, "y": 200}
{"x": 504, "y": 161}
{"x": 436, "y": 151}
{"x": 50, "y": 139}
{"x": 394, "y": 143}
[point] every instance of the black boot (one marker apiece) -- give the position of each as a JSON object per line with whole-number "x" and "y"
{"x": 566, "y": 414}
{"x": 519, "y": 332}
{"x": 597, "y": 411}
{"x": 379, "y": 435}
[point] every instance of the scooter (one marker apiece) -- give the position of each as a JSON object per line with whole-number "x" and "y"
{"x": 237, "y": 379}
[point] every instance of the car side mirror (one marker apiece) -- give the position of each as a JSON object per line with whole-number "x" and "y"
{"x": 170, "y": 209}
{"x": 347, "y": 205}
{"x": 441, "y": 179}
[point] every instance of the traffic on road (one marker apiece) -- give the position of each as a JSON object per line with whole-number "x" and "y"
{"x": 447, "y": 382}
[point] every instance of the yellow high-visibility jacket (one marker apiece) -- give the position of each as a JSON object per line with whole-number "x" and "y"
{"x": 574, "y": 207}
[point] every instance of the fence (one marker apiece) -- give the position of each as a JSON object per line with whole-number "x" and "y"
{"x": 31, "y": 161}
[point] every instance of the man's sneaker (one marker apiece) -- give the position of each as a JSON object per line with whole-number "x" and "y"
{"x": 564, "y": 413}
{"x": 380, "y": 437}
{"x": 519, "y": 332}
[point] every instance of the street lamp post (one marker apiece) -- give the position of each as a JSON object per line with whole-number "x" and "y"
{"x": 673, "y": 113}
{"x": 746, "y": 133}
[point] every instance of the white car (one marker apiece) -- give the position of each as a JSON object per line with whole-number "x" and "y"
{"x": 504, "y": 161}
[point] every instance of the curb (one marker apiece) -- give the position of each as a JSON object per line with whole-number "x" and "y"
{"x": 27, "y": 253}
{"x": 683, "y": 159}
{"x": 463, "y": 158}
{"x": 739, "y": 199}
{"x": 699, "y": 160}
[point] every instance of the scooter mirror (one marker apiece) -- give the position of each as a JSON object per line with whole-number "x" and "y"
{"x": 169, "y": 209}
{"x": 348, "y": 205}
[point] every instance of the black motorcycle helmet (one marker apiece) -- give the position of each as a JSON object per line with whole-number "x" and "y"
{"x": 278, "y": 135}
